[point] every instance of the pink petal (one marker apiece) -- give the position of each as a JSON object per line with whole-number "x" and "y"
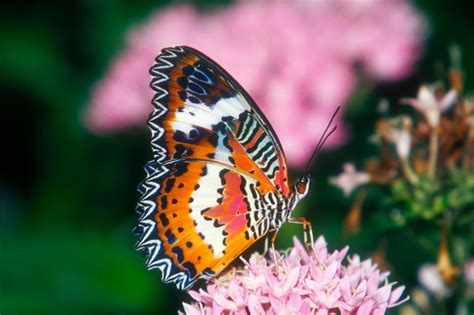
{"x": 333, "y": 297}
{"x": 382, "y": 294}
{"x": 373, "y": 283}
{"x": 330, "y": 272}
{"x": 305, "y": 308}
{"x": 343, "y": 253}
{"x": 292, "y": 278}
{"x": 195, "y": 295}
{"x": 313, "y": 285}
{"x": 396, "y": 294}
{"x": 294, "y": 302}
{"x": 300, "y": 249}
{"x": 254, "y": 306}
{"x": 191, "y": 309}
{"x": 365, "y": 308}
{"x": 216, "y": 309}
{"x": 277, "y": 303}
{"x": 448, "y": 100}
{"x": 345, "y": 287}
{"x": 224, "y": 301}
{"x": 380, "y": 309}
{"x": 361, "y": 290}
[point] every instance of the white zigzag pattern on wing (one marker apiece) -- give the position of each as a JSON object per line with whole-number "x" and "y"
{"x": 150, "y": 186}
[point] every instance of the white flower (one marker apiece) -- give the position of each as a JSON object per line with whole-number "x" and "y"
{"x": 397, "y": 132}
{"x": 431, "y": 280}
{"x": 350, "y": 179}
{"x": 427, "y": 103}
{"x": 402, "y": 140}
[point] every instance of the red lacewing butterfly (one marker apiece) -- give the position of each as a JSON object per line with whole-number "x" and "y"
{"x": 218, "y": 181}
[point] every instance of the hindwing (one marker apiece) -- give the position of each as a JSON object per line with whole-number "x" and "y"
{"x": 198, "y": 219}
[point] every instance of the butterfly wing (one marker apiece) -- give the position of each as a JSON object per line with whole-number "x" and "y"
{"x": 215, "y": 157}
{"x": 205, "y": 114}
{"x": 198, "y": 219}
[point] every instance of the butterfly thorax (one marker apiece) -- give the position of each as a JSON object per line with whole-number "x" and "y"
{"x": 277, "y": 207}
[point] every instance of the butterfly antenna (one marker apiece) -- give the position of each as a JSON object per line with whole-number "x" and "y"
{"x": 326, "y": 134}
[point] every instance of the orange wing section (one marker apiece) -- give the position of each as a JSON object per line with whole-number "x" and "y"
{"x": 203, "y": 226}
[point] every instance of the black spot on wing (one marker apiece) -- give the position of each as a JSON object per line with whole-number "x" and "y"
{"x": 188, "y": 70}
{"x": 193, "y": 136}
{"x": 182, "y": 95}
{"x": 179, "y": 253}
{"x": 191, "y": 270}
{"x": 169, "y": 184}
{"x": 182, "y": 82}
{"x": 180, "y": 151}
{"x": 195, "y": 100}
{"x": 170, "y": 237}
{"x": 178, "y": 169}
{"x": 164, "y": 202}
{"x": 164, "y": 219}
{"x": 196, "y": 88}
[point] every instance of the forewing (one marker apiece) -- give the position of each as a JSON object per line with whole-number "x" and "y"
{"x": 201, "y": 112}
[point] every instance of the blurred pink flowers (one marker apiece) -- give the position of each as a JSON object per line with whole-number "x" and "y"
{"x": 296, "y": 60}
{"x": 308, "y": 282}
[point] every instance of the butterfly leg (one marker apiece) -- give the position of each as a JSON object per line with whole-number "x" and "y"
{"x": 307, "y": 228}
{"x": 275, "y": 258}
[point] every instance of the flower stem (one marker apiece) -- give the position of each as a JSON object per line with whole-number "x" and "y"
{"x": 433, "y": 155}
{"x": 408, "y": 171}
{"x": 468, "y": 151}
{"x": 352, "y": 221}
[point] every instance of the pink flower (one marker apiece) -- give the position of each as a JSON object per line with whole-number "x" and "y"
{"x": 296, "y": 59}
{"x": 308, "y": 281}
{"x": 350, "y": 179}
{"x": 469, "y": 272}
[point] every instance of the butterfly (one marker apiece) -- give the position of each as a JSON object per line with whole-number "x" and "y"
{"x": 218, "y": 180}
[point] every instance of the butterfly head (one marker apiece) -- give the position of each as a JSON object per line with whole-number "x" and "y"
{"x": 302, "y": 186}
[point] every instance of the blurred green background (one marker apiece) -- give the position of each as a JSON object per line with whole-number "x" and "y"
{"x": 67, "y": 196}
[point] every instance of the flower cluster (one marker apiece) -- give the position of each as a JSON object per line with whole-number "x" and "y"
{"x": 424, "y": 172}
{"x": 285, "y": 54}
{"x": 426, "y": 158}
{"x": 306, "y": 281}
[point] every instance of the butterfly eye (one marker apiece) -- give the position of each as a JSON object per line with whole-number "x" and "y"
{"x": 301, "y": 188}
